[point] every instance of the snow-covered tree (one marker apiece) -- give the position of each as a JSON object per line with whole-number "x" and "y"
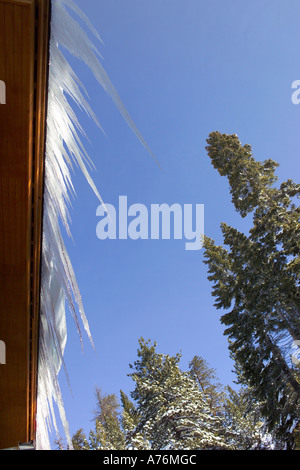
{"x": 79, "y": 441}
{"x": 173, "y": 411}
{"x": 257, "y": 278}
{"x": 130, "y": 420}
{"x": 108, "y": 433}
{"x": 205, "y": 377}
{"x": 247, "y": 430}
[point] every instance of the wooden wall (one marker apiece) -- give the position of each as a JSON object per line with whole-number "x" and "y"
{"x": 24, "y": 38}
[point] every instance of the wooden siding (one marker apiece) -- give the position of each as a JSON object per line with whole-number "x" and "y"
{"x": 24, "y": 41}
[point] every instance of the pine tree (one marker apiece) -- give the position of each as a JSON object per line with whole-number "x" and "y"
{"x": 108, "y": 434}
{"x": 208, "y": 383}
{"x": 257, "y": 277}
{"x": 242, "y": 415}
{"x": 173, "y": 409}
{"x": 130, "y": 420}
{"x": 173, "y": 412}
{"x": 79, "y": 441}
{"x": 128, "y": 410}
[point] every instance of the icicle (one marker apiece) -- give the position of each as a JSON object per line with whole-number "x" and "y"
{"x": 63, "y": 148}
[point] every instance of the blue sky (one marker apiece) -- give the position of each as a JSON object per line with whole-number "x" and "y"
{"x": 183, "y": 68}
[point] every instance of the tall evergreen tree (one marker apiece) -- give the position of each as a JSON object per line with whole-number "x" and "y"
{"x": 257, "y": 278}
{"x": 173, "y": 411}
{"x": 108, "y": 433}
{"x": 130, "y": 419}
{"x": 242, "y": 415}
{"x": 80, "y": 441}
{"x": 208, "y": 383}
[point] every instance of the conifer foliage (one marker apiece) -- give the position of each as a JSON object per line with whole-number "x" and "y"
{"x": 257, "y": 279}
{"x": 173, "y": 409}
{"x": 107, "y": 434}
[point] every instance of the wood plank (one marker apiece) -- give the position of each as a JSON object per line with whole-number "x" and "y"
{"x": 18, "y": 2}
{"x": 41, "y": 87}
{"x": 23, "y": 67}
{"x": 14, "y": 163}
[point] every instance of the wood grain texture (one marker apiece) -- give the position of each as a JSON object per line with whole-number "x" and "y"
{"x": 23, "y": 67}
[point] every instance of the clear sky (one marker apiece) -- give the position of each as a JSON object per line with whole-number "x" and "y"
{"x": 183, "y": 69}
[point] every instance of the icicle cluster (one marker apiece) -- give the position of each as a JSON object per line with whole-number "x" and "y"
{"x": 63, "y": 148}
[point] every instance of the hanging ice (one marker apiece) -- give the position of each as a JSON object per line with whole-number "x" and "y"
{"x": 63, "y": 147}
